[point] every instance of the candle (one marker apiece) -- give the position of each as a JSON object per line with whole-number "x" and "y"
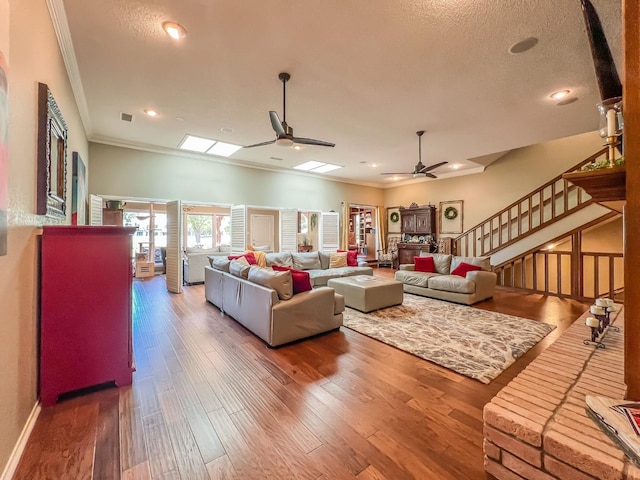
{"x": 612, "y": 308}
{"x": 602, "y": 302}
{"x": 596, "y": 310}
{"x": 611, "y": 122}
{"x": 592, "y": 322}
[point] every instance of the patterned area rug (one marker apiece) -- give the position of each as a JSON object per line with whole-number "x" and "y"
{"x": 475, "y": 343}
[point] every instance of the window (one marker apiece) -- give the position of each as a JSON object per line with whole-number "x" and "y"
{"x": 207, "y": 230}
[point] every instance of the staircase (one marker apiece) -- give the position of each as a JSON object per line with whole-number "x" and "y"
{"x": 515, "y": 238}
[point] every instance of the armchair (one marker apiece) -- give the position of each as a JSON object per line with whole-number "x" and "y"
{"x": 389, "y": 256}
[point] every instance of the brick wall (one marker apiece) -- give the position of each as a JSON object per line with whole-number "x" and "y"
{"x": 537, "y": 428}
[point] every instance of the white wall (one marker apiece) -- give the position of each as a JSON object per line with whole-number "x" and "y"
{"x": 27, "y": 35}
{"x": 503, "y": 182}
{"x": 126, "y": 172}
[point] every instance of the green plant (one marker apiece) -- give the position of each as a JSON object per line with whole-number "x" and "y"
{"x": 600, "y": 164}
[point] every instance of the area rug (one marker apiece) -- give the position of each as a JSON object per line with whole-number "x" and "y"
{"x": 473, "y": 342}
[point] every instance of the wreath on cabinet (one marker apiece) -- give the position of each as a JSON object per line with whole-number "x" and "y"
{"x": 394, "y": 217}
{"x": 450, "y": 213}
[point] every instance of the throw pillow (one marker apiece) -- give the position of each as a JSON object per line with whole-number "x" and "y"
{"x": 301, "y": 279}
{"x": 338, "y": 260}
{"x": 306, "y": 261}
{"x": 352, "y": 257}
{"x": 424, "y": 264}
{"x": 239, "y": 268}
{"x": 220, "y": 263}
{"x": 249, "y": 256}
{"x": 281, "y": 282}
{"x": 261, "y": 258}
{"x": 462, "y": 269}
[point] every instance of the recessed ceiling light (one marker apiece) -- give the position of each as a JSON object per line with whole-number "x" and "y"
{"x": 523, "y": 45}
{"x": 455, "y": 166}
{"x": 297, "y": 147}
{"x": 196, "y": 144}
{"x": 308, "y": 165}
{"x": 224, "y": 149}
{"x": 174, "y": 30}
{"x": 374, "y": 165}
{"x": 227, "y": 130}
{"x": 560, "y": 94}
{"x": 151, "y": 112}
{"x": 327, "y": 167}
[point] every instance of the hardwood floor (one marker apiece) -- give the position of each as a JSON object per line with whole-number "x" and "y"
{"x": 210, "y": 400}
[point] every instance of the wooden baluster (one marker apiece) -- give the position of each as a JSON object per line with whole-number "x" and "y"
{"x": 559, "y": 272}
{"x": 534, "y": 264}
{"x": 612, "y": 286}
{"x": 546, "y": 272}
{"x": 596, "y": 272}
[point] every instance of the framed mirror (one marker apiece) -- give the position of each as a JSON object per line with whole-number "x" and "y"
{"x": 52, "y": 157}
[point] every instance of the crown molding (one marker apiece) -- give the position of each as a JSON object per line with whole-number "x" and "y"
{"x": 61, "y": 27}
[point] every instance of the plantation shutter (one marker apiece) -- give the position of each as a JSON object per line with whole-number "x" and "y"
{"x": 289, "y": 230}
{"x": 95, "y": 210}
{"x": 329, "y": 231}
{"x": 238, "y": 229}
{"x": 174, "y": 247}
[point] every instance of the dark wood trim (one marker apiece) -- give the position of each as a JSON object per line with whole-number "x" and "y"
{"x": 631, "y": 99}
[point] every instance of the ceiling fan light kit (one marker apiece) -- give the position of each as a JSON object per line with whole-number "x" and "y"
{"x": 284, "y": 133}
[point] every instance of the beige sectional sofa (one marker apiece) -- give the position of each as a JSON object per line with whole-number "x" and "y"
{"x": 317, "y": 264}
{"x": 476, "y": 286}
{"x": 275, "y": 315}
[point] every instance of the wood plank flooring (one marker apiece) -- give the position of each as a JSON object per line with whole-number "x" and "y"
{"x": 210, "y": 401}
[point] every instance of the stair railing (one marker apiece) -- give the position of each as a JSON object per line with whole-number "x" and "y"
{"x": 545, "y": 205}
{"x": 566, "y": 273}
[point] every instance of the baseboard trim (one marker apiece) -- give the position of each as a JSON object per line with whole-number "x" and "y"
{"x": 18, "y": 450}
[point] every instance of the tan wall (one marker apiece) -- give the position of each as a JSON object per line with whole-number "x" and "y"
{"x": 503, "y": 182}
{"x": 27, "y": 35}
{"x": 118, "y": 171}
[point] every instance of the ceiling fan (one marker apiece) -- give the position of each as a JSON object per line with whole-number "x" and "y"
{"x": 420, "y": 168}
{"x": 284, "y": 133}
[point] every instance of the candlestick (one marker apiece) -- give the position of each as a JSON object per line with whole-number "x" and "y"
{"x": 611, "y": 122}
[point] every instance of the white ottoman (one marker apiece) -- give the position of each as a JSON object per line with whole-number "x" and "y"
{"x": 367, "y": 293}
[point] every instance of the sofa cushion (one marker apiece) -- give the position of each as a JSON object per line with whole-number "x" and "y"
{"x": 239, "y": 267}
{"x": 337, "y": 260}
{"x": 300, "y": 278}
{"x": 483, "y": 262}
{"x": 418, "y": 279}
{"x": 462, "y": 269}
{"x": 452, "y": 283}
{"x": 279, "y": 281}
{"x": 324, "y": 259}
{"x": 352, "y": 257}
{"x": 441, "y": 260}
{"x": 424, "y": 264}
{"x": 306, "y": 260}
{"x": 251, "y": 258}
{"x": 283, "y": 258}
{"x": 220, "y": 263}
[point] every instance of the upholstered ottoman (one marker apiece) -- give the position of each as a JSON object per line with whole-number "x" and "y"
{"x": 367, "y": 293}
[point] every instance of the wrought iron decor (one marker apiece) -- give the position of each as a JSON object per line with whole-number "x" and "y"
{"x": 52, "y": 157}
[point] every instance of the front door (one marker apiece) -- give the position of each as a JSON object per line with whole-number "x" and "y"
{"x": 262, "y": 231}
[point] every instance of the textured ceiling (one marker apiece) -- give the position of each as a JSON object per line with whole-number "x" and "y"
{"x": 365, "y": 74}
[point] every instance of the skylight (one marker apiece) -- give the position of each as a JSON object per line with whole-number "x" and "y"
{"x": 208, "y": 145}
{"x": 196, "y": 144}
{"x": 317, "y": 167}
{"x": 308, "y": 165}
{"x": 223, "y": 149}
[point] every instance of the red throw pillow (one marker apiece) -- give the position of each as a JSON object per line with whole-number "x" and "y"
{"x": 352, "y": 257}
{"x": 463, "y": 268}
{"x": 301, "y": 280}
{"x": 251, "y": 258}
{"x": 424, "y": 264}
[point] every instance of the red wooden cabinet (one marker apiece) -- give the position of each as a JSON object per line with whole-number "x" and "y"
{"x": 85, "y": 308}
